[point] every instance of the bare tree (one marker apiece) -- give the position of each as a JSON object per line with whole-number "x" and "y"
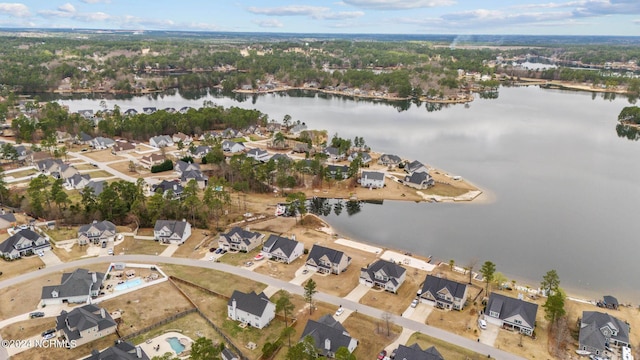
{"x": 386, "y": 316}
{"x": 473, "y": 262}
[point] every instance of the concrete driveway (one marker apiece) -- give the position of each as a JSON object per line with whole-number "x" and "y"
{"x": 357, "y": 293}
{"x": 489, "y": 335}
{"x": 419, "y": 313}
{"x": 301, "y": 278}
{"x": 50, "y": 259}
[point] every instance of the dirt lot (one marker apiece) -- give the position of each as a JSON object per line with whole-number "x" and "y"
{"x": 123, "y": 167}
{"x": 449, "y": 351}
{"x": 396, "y": 303}
{"x": 280, "y": 270}
{"x": 100, "y": 174}
{"x": 20, "y": 266}
{"x": 220, "y": 282}
{"x": 62, "y": 353}
{"x": 133, "y": 246}
{"x": 142, "y": 308}
{"x": 102, "y": 155}
{"x": 74, "y": 253}
{"x": 371, "y": 333}
{"x": 27, "y": 328}
{"x": 188, "y": 249}
{"x": 61, "y": 233}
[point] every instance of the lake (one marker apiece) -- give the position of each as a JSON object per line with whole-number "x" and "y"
{"x": 564, "y": 183}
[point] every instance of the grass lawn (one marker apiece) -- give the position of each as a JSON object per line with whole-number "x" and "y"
{"x": 449, "y": 351}
{"x": 100, "y": 174}
{"x": 19, "y": 266}
{"x": 22, "y": 173}
{"x": 84, "y": 167}
{"x": 239, "y": 258}
{"x": 219, "y": 282}
{"x": 147, "y": 306}
{"x": 280, "y": 270}
{"x": 371, "y": 333}
{"x": 145, "y": 231}
{"x": 135, "y": 246}
{"x": 62, "y": 233}
{"x": 187, "y": 250}
{"x": 102, "y": 155}
{"x": 396, "y": 303}
{"x": 63, "y": 353}
{"x": 192, "y": 325}
{"x": 27, "y": 328}
{"x": 75, "y": 253}
{"x": 123, "y": 167}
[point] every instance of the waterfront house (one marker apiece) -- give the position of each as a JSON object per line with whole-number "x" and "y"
{"x": 185, "y": 109}
{"x": 415, "y": 352}
{"x": 389, "y": 160}
{"x": 166, "y": 187}
{"x": 171, "y": 231}
{"x": 23, "y": 243}
{"x": 443, "y": 293}
{"x": 76, "y": 287}
{"x": 282, "y": 249}
{"x": 327, "y": 261}
{"x": 297, "y": 129}
{"x": 419, "y": 180}
{"x": 122, "y": 350}
{"x": 258, "y": 154}
{"x": 232, "y": 146}
{"x": 415, "y": 166}
{"x": 599, "y": 331}
{"x": 511, "y": 313}
{"x": 149, "y": 110}
{"x": 98, "y": 233}
{"x": 384, "y": 274}
{"x": 328, "y": 336}
{"x": 610, "y": 302}
{"x": 252, "y": 309}
{"x": 365, "y": 158}
{"x": 85, "y": 324}
{"x": 333, "y": 153}
{"x": 239, "y": 239}
{"x": 338, "y": 172}
{"x": 151, "y": 160}
{"x": 87, "y": 114}
{"x": 161, "y": 141}
{"x": 372, "y": 179}
{"x": 130, "y": 112}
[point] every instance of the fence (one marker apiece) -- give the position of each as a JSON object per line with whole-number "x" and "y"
{"x": 159, "y": 323}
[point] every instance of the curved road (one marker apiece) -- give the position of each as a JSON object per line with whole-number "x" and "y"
{"x": 292, "y": 288}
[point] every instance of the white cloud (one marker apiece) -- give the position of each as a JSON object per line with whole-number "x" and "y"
{"x": 14, "y": 9}
{"x": 314, "y": 12}
{"x": 268, "y": 23}
{"x": 67, "y": 8}
{"x": 398, "y": 4}
{"x": 96, "y": 1}
{"x": 341, "y": 15}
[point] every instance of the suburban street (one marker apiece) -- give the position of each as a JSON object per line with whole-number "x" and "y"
{"x": 349, "y": 305}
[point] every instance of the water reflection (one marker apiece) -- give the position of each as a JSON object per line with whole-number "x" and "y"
{"x": 628, "y": 131}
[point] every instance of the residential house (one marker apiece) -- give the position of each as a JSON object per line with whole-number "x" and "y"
{"x": 77, "y": 181}
{"x": 171, "y": 231}
{"x": 252, "y": 309}
{"x": 328, "y": 335}
{"x": 84, "y": 138}
{"x": 87, "y": 114}
{"x": 100, "y": 143}
{"x": 65, "y": 171}
{"x": 122, "y": 350}
{"x": 39, "y": 156}
{"x": 333, "y": 153}
{"x": 166, "y": 187}
{"x": 511, "y": 313}
{"x": 240, "y": 239}
{"x": 201, "y": 151}
{"x": 151, "y": 160}
{"x": 282, "y": 249}
{"x": 130, "y": 112}
{"x": 415, "y": 166}
{"x": 96, "y": 186}
{"x": 232, "y": 146}
{"x": 161, "y": 141}
{"x": 258, "y": 154}
{"x": 443, "y": 293}
{"x": 63, "y": 136}
{"x": 7, "y": 220}
{"x": 389, "y": 160}
{"x": 230, "y": 133}
{"x": 227, "y": 354}
{"x": 365, "y": 158}
{"x": 76, "y": 287}
{"x": 327, "y": 261}
{"x": 610, "y": 302}
{"x": 149, "y": 110}
{"x": 22, "y": 152}
{"x": 599, "y": 331}
{"x": 170, "y": 110}
{"x": 280, "y": 157}
{"x": 415, "y": 352}
{"x": 49, "y": 166}
{"x": 85, "y": 324}
{"x": 297, "y": 129}
{"x": 301, "y": 147}
{"x": 97, "y": 233}
{"x": 23, "y": 243}
{"x": 338, "y": 172}
{"x": 384, "y": 274}
{"x": 419, "y": 180}
{"x": 183, "y": 110}
{"x": 182, "y": 166}
{"x": 186, "y": 139}
{"x": 273, "y": 126}
{"x": 197, "y": 175}
{"x": 122, "y": 147}
{"x": 372, "y": 179}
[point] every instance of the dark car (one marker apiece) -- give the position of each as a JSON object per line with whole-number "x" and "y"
{"x": 382, "y": 354}
{"x": 36, "y": 314}
{"x": 48, "y": 332}
{"x": 212, "y": 249}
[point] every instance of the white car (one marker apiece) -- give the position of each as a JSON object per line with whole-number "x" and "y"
{"x": 339, "y": 311}
{"x": 414, "y": 303}
{"x": 482, "y": 324}
{"x": 110, "y": 252}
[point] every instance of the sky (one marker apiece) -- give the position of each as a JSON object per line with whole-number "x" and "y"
{"x": 462, "y": 17}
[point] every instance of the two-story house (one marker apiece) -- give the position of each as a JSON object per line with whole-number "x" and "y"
{"x": 97, "y": 233}
{"x": 171, "y": 231}
{"x": 419, "y": 180}
{"x": 76, "y": 287}
{"x": 282, "y": 249}
{"x": 85, "y": 324}
{"x": 601, "y": 330}
{"x": 443, "y": 293}
{"x": 328, "y": 335}
{"x": 252, "y": 309}
{"x": 372, "y": 179}
{"x": 389, "y": 160}
{"x": 122, "y": 350}
{"x": 512, "y": 313}
{"x": 23, "y": 243}
{"x": 151, "y": 160}
{"x": 384, "y": 274}
{"x": 258, "y": 154}
{"x": 415, "y": 352}
{"x": 327, "y": 261}
{"x": 161, "y": 141}
{"x": 232, "y": 146}
{"x": 239, "y": 239}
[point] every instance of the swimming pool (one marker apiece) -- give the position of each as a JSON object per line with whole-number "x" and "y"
{"x": 128, "y": 284}
{"x": 175, "y": 345}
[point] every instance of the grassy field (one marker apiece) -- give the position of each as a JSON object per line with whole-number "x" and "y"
{"x": 74, "y": 253}
{"x": 19, "y": 266}
{"x": 188, "y": 249}
{"x": 449, "y": 351}
{"x": 222, "y": 283}
{"x": 22, "y": 173}
{"x": 372, "y": 334}
{"x": 102, "y": 155}
{"x": 27, "y": 328}
{"x": 132, "y": 246}
{"x": 62, "y": 233}
{"x": 63, "y": 353}
{"x": 145, "y": 231}
{"x": 239, "y": 258}
{"x": 396, "y": 303}
{"x": 100, "y": 174}
{"x": 279, "y": 270}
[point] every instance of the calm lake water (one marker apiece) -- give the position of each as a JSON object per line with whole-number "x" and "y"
{"x": 565, "y": 185}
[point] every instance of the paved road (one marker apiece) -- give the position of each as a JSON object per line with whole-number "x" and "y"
{"x": 104, "y": 165}
{"x": 292, "y": 288}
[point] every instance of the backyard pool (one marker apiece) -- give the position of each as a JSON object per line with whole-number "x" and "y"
{"x": 175, "y": 345}
{"x": 128, "y": 284}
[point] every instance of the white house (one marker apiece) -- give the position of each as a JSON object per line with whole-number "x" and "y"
{"x": 85, "y": 324}
{"x": 282, "y": 249}
{"x": 372, "y": 179}
{"x": 161, "y": 141}
{"x": 232, "y": 146}
{"x": 171, "y": 231}
{"x": 512, "y": 313}
{"x": 252, "y": 309}
{"x": 327, "y": 261}
{"x": 384, "y": 274}
{"x": 23, "y": 243}
{"x": 240, "y": 239}
{"x": 76, "y": 287}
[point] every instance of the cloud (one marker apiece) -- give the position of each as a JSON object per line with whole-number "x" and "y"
{"x": 96, "y": 1}
{"x": 67, "y": 8}
{"x": 268, "y": 23}
{"x": 314, "y": 12}
{"x": 398, "y": 4}
{"x": 591, "y": 8}
{"x": 15, "y": 9}
{"x": 341, "y": 15}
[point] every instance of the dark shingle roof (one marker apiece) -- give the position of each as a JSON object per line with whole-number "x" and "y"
{"x": 374, "y": 175}
{"x": 79, "y": 282}
{"x": 327, "y": 328}
{"x": 392, "y": 270}
{"x": 415, "y": 352}
{"x": 278, "y": 242}
{"x": 434, "y": 284}
{"x": 610, "y": 300}
{"x": 9, "y": 244}
{"x": 507, "y": 307}
{"x": 176, "y": 227}
{"x": 251, "y": 303}
{"x": 82, "y": 318}
{"x": 122, "y": 350}
{"x": 318, "y": 252}
{"x": 591, "y": 334}
{"x": 239, "y": 233}
{"x": 228, "y": 355}
{"x": 102, "y": 226}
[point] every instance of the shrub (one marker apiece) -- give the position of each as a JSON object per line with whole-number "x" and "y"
{"x": 165, "y": 166}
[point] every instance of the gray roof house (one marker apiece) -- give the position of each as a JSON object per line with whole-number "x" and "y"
{"x": 329, "y": 335}
{"x": 232, "y": 146}
{"x": 166, "y": 187}
{"x": 415, "y": 352}
{"x": 415, "y": 166}
{"x": 511, "y": 313}
{"x": 161, "y": 141}
{"x": 100, "y": 143}
{"x": 258, "y": 154}
{"x": 282, "y": 249}
{"x": 201, "y": 151}
{"x": 171, "y": 231}
{"x": 419, "y": 180}
{"x": 610, "y": 302}
{"x": 600, "y": 330}
{"x": 65, "y": 171}
{"x": 96, "y": 232}
{"x": 251, "y": 308}
{"x": 333, "y": 153}
{"x": 122, "y": 350}
{"x": 443, "y": 293}
{"x": 77, "y": 181}
{"x": 364, "y": 157}
{"x": 240, "y": 239}
{"x": 327, "y": 261}
{"x": 7, "y": 220}
{"x": 389, "y": 160}
{"x": 339, "y": 172}
{"x": 96, "y": 186}
{"x": 76, "y": 287}
{"x": 227, "y": 354}
{"x": 122, "y": 147}
{"x": 372, "y": 179}
{"x": 23, "y": 243}
{"x": 149, "y": 110}
{"x": 49, "y": 166}
{"x": 196, "y": 175}
{"x": 84, "y": 138}
{"x": 384, "y": 274}
{"x": 183, "y": 166}
{"x": 85, "y": 324}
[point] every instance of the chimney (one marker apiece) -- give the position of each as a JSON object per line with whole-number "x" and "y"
{"x": 293, "y": 237}
{"x": 233, "y": 307}
{"x": 103, "y": 313}
{"x": 95, "y": 221}
{"x": 94, "y": 277}
{"x": 138, "y": 352}
{"x": 175, "y": 187}
{"x": 327, "y": 344}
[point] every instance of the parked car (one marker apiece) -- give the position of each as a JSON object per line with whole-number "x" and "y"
{"x": 218, "y": 250}
{"x": 414, "y": 303}
{"x": 110, "y": 252}
{"x": 40, "y": 253}
{"x": 212, "y": 249}
{"x": 482, "y": 324}
{"x": 49, "y": 336}
{"x": 382, "y": 354}
{"x": 339, "y": 311}
{"x": 248, "y": 263}
{"x": 48, "y": 332}
{"x": 36, "y": 314}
